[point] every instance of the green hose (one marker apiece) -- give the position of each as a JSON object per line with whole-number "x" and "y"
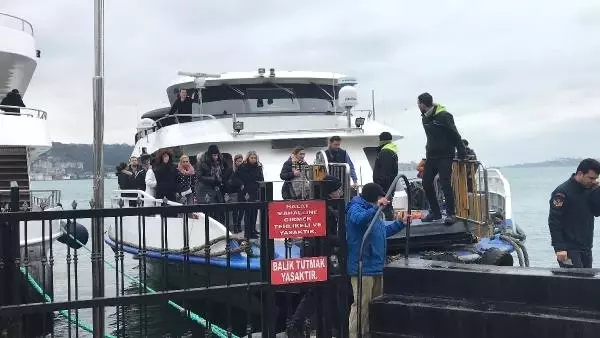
{"x": 63, "y": 313}
{"x": 218, "y": 331}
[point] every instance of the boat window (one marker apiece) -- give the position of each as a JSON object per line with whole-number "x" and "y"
{"x": 371, "y": 153}
{"x": 272, "y": 99}
{"x": 299, "y": 142}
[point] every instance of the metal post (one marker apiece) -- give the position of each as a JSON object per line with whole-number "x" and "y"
{"x": 349, "y": 117}
{"x": 10, "y": 257}
{"x": 373, "y": 103}
{"x": 98, "y": 224}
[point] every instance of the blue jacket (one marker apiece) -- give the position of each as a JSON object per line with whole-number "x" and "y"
{"x": 359, "y": 214}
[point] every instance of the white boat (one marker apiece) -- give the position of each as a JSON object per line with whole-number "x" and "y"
{"x": 24, "y": 136}
{"x": 270, "y": 113}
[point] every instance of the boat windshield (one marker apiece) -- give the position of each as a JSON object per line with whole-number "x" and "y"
{"x": 269, "y": 98}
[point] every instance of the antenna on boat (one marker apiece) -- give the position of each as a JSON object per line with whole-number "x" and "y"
{"x": 348, "y": 98}
{"x": 198, "y": 75}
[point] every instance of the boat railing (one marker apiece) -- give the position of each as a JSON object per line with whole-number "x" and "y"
{"x": 29, "y": 112}
{"x": 471, "y": 194}
{"x": 498, "y": 184}
{"x": 172, "y": 119}
{"x": 42, "y": 199}
{"x": 14, "y": 22}
{"x": 125, "y": 195}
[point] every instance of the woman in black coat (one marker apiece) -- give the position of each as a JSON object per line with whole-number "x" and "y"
{"x": 250, "y": 173}
{"x": 166, "y": 175}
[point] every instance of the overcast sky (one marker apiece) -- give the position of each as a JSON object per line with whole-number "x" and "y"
{"x": 522, "y": 78}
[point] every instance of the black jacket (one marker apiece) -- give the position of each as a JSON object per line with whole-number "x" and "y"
{"x": 571, "y": 220}
{"x": 386, "y": 166}
{"x": 166, "y": 180}
{"x": 250, "y": 175}
{"x": 442, "y": 136}
{"x": 12, "y": 99}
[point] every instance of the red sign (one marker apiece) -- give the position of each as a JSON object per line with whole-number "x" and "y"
{"x": 298, "y": 270}
{"x": 297, "y": 219}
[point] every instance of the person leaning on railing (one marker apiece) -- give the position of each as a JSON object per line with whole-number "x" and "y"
{"x": 183, "y": 106}
{"x": 13, "y": 98}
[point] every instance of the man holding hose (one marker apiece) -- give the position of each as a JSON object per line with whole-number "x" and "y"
{"x": 359, "y": 214}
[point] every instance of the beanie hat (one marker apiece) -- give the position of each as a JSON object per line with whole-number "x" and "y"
{"x": 385, "y": 136}
{"x": 212, "y": 149}
{"x": 331, "y": 184}
{"x": 371, "y": 192}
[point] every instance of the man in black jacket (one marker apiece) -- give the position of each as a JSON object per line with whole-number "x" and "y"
{"x": 571, "y": 217}
{"x": 442, "y": 140}
{"x": 386, "y": 168}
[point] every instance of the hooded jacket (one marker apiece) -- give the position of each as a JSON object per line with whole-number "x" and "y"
{"x": 442, "y": 136}
{"x": 386, "y": 165}
{"x": 13, "y": 98}
{"x": 359, "y": 214}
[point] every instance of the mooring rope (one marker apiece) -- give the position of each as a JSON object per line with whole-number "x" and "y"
{"x": 218, "y": 331}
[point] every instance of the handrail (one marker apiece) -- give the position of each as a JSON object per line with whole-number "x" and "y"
{"x": 25, "y": 25}
{"x": 169, "y": 116}
{"x": 293, "y": 131}
{"x": 39, "y": 114}
{"x": 145, "y": 197}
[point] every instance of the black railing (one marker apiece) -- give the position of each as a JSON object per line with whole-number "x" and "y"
{"x": 178, "y": 270}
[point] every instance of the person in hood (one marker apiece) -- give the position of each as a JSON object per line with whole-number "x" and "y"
{"x": 13, "y": 98}
{"x": 385, "y": 169}
{"x": 360, "y": 211}
{"x": 443, "y": 143}
{"x": 165, "y": 173}
{"x": 210, "y": 176}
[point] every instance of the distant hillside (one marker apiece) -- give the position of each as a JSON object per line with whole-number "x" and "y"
{"x": 561, "y": 162}
{"x": 113, "y": 154}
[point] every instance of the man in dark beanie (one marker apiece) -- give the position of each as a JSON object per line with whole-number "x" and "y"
{"x": 442, "y": 141}
{"x": 359, "y": 214}
{"x": 386, "y": 167}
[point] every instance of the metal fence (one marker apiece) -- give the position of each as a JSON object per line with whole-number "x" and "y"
{"x": 470, "y": 185}
{"x": 175, "y": 270}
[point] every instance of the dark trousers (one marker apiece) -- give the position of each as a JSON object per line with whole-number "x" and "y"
{"x": 443, "y": 168}
{"x": 388, "y": 210}
{"x": 581, "y": 258}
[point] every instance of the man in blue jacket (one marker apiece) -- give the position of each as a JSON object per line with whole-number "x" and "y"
{"x": 359, "y": 213}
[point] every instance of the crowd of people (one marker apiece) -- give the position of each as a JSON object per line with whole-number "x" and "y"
{"x": 209, "y": 177}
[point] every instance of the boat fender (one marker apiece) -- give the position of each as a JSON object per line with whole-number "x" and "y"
{"x": 495, "y": 256}
{"x": 74, "y": 235}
